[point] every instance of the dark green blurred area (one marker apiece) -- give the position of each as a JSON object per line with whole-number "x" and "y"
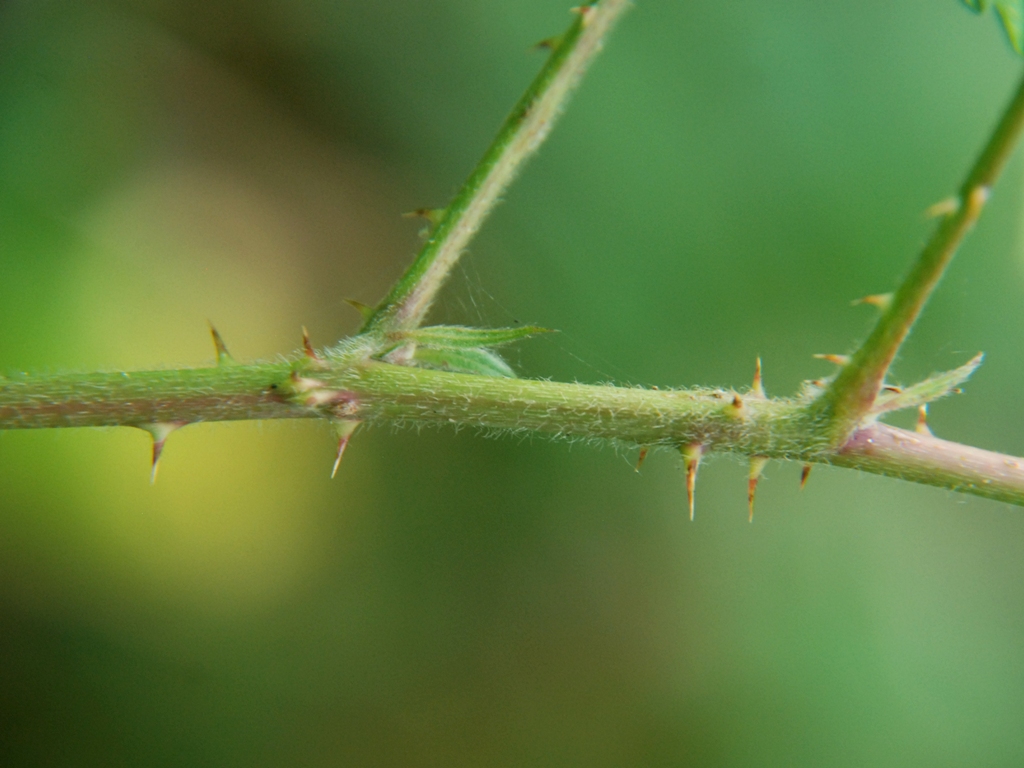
{"x": 729, "y": 177}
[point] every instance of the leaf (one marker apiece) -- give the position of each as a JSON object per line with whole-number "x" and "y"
{"x": 461, "y": 337}
{"x": 937, "y": 386}
{"x": 1011, "y": 14}
{"x": 479, "y": 361}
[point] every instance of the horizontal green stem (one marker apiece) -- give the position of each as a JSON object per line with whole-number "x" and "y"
{"x": 226, "y": 393}
{"x": 388, "y": 394}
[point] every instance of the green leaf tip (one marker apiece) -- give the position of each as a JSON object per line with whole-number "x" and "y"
{"x": 1011, "y": 15}
{"x": 455, "y": 348}
{"x": 462, "y": 337}
{"x": 924, "y": 392}
{"x": 479, "y": 361}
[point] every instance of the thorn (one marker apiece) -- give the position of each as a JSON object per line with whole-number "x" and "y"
{"x": 644, "y": 449}
{"x": 432, "y": 215}
{"x": 804, "y": 474}
{"x": 756, "y": 468}
{"x": 308, "y": 347}
{"x": 223, "y": 356}
{"x": 957, "y": 391}
{"x": 880, "y": 300}
{"x": 757, "y": 390}
{"x": 922, "y": 420}
{"x": 159, "y": 431}
{"x": 819, "y": 383}
{"x": 691, "y": 458}
{"x": 585, "y": 12}
{"x": 362, "y": 309}
{"x": 548, "y": 43}
{"x": 735, "y": 408}
{"x": 943, "y": 208}
{"x": 976, "y": 199}
{"x": 345, "y": 430}
{"x": 837, "y": 359}
{"x": 892, "y": 388}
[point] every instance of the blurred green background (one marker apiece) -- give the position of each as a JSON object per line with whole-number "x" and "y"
{"x": 729, "y": 177}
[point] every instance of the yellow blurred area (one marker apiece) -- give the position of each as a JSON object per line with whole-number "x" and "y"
{"x": 232, "y": 526}
{"x": 230, "y": 210}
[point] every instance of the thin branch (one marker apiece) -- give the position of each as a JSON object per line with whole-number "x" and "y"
{"x": 522, "y": 133}
{"x": 848, "y": 400}
{"x": 379, "y": 393}
{"x": 922, "y": 458}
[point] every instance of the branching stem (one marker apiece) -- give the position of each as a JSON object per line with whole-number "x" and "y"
{"x": 849, "y": 398}
{"x": 379, "y": 393}
{"x": 349, "y": 383}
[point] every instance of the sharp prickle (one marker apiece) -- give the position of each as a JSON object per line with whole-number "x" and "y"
{"x": 757, "y": 464}
{"x": 345, "y": 430}
{"x": 757, "y": 389}
{"x": 159, "y": 431}
{"x": 691, "y": 458}
{"x": 644, "y": 450}
{"x": 223, "y": 356}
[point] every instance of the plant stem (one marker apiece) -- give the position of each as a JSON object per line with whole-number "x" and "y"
{"x": 848, "y": 400}
{"x": 524, "y": 130}
{"x": 886, "y": 450}
{"x": 379, "y": 393}
{"x": 346, "y": 385}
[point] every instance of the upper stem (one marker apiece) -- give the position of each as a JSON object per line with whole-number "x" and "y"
{"x": 522, "y": 133}
{"x": 849, "y": 398}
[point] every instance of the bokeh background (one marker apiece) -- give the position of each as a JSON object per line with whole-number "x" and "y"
{"x": 729, "y": 177}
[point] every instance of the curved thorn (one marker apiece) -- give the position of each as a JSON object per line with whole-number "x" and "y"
{"x": 159, "y": 431}
{"x": 432, "y": 215}
{"x": 836, "y": 359}
{"x": 307, "y": 347}
{"x": 362, "y": 309}
{"x": 345, "y": 430}
{"x": 223, "y": 356}
{"x": 879, "y": 300}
